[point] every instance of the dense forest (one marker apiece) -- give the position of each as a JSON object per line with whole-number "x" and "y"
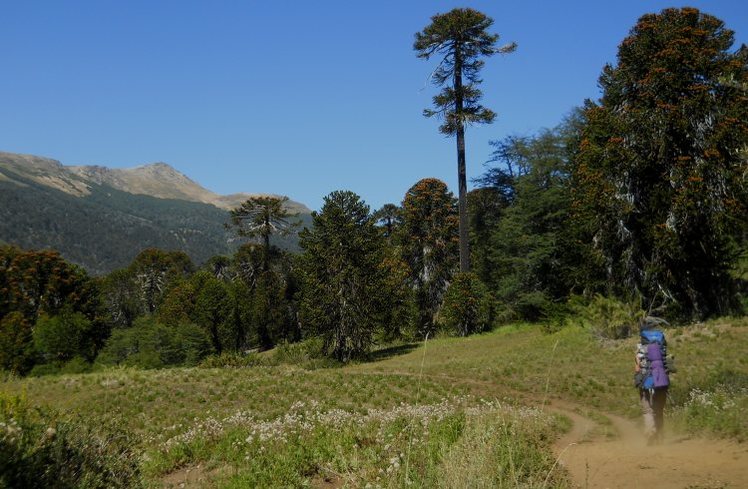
{"x": 636, "y": 203}
{"x": 104, "y": 230}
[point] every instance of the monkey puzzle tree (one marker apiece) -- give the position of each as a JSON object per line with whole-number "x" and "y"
{"x": 460, "y": 38}
{"x": 262, "y": 217}
{"x": 389, "y": 217}
{"x": 659, "y": 176}
{"x": 154, "y": 271}
{"x": 429, "y": 240}
{"x": 344, "y": 291}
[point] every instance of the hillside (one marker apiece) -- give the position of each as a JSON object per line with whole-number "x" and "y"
{"x": 164, "y": 182}
{"x": 455, "y": 409}
{"x": 101, "y": 218}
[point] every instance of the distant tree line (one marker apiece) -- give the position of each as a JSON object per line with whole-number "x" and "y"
{"x": 639, "y": 197}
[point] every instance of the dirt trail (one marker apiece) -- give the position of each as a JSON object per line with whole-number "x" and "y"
{"x": 625, "y": 461}
{"x": 615, "y": 456}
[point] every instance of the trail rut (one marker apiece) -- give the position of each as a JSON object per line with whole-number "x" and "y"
{"x": 625, "y": 460}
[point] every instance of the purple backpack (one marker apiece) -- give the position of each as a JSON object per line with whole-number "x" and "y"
{"x": 656, "y": 372}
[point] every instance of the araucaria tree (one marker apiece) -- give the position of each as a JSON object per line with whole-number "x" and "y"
{"x": 660, "y": 175}
{"x": 429, "y": 245}
{"x": 266, "y": 287}
{"x": 344, "y": 289}
{"x": 460, "y": 38}
{"x": 262, "y": 217}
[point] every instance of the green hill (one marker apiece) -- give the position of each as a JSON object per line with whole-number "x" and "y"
{"x": 100, "y": 227}
{"x": 107, "y": 228}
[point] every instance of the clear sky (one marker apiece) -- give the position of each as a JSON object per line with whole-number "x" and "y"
{"x": 291, "y": 97}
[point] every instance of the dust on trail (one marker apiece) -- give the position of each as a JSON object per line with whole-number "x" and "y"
{"x": 625, "y": 461}
{"x": 598, "y": 456}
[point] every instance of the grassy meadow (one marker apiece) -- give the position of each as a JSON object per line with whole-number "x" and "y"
{"x": 462, "y": 409}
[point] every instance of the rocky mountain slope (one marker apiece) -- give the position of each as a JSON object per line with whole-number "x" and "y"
{"x": 158, "y": 180}
{"x": 102, "y": 218}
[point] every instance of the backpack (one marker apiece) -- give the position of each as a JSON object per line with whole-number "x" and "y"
{"x": 652, "y": 354}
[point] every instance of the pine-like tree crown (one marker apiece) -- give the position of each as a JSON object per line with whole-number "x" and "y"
{"x": 460, "y": 37}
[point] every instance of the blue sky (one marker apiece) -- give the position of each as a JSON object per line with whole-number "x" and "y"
{"x": 292, "y": 97}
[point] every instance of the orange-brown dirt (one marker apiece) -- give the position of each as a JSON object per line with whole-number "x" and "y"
{"x": 625, "y": 461}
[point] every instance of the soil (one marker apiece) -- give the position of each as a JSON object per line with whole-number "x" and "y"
{"x": 624, "y": 460}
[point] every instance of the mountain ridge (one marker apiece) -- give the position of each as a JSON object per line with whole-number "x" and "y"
{"x": 158, "y": 179}
{"x": 90, "y": 217}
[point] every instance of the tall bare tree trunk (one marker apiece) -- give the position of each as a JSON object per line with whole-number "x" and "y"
{"x": 461, "y": 172}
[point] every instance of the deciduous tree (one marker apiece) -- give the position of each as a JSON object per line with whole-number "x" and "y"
{"x": 526, "y": 250}
{"x": 59, "y": 338}
{"x": 16, "y": 343}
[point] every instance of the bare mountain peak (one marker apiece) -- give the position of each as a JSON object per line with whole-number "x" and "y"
{"x": 163, "y": 172}
{"x": 45, "y": 171}
{"x": 29, "y": 161}
{"x": 157, "y": 179}
{"x": 158, "y": 166}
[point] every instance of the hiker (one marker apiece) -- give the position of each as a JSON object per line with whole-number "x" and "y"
{"x": 651, "y": 377}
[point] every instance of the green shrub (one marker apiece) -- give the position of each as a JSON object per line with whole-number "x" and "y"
{"x": 38, "y": 450}
{"x": 300, "y": 352}
{"x": 608, "y": 317}
{"x": 308, "y": 354}
{"x": 533, "y": 306}
{"x": 43, "y": 369}
{"x": 149, "y": 344}
{"x": 467, "y": 305}
{"x": 76, "y": 365}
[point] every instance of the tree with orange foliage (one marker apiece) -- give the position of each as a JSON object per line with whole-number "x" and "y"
{"x": 430, "y": 244}
{"x": 659, "y": 186}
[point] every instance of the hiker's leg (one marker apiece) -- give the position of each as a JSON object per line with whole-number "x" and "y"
{"x": 645, "y": 398}
{"x": 658, "y": 406}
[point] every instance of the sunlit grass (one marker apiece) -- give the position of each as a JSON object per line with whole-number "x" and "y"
{"x": 570, "y": 364}
{"x": 425, "y": 445}
{"x": 185, "y": 418}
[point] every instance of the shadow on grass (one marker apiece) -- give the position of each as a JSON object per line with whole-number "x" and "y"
{"x": 392, "y": 351}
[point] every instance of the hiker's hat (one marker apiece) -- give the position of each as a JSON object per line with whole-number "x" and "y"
{"x": 649, "y": 322}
